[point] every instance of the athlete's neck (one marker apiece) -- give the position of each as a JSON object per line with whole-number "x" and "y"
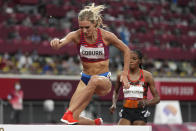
{"x": 93, "y": 37}
{"x": 134, "y": 71}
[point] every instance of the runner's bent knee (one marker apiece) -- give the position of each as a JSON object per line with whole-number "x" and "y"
{"x": 94, "y": 80}
{"x": 104, "y": 89}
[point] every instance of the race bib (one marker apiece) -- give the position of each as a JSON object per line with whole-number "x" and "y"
{"x": 92, "y": 53}
{"x": 134, "y": 91}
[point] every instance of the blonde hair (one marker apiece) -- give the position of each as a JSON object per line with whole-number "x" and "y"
{"x": 92, "y": 14}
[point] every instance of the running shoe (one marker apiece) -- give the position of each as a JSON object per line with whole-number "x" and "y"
{"x": 98, "y": 121}
{"x": 68, "y": 118}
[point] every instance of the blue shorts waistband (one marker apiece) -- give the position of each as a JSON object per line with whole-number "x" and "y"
{"x": 85, "y": 78}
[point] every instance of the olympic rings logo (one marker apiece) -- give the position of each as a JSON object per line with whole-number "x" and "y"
{"x": 61, "y": 88}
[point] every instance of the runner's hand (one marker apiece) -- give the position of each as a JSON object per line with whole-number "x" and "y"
{"x": 143, "y": 103}
{"x": 112, "y": 108}
{"x": 124, "y": 80}
{"x": 54, "y": 43}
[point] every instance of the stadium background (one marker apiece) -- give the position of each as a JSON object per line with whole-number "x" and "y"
{"x": 164, "y": 30}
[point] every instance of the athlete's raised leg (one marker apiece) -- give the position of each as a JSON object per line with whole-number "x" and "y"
{"x": 82, "y": 96}
{"x": 97, "y": 84}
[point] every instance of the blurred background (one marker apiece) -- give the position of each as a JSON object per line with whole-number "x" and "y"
{"x": 44, "y": 79}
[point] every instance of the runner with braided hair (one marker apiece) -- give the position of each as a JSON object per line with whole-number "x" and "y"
{"x": 135, "y": 104}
